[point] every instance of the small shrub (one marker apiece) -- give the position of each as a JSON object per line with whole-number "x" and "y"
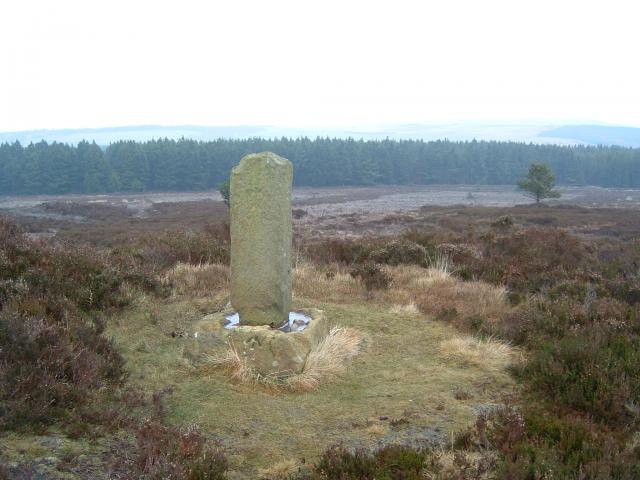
{"x": 372, "y": 276}
{"x": 163, "y": 251}
{"x": 299, "y": 213}
{"x": 93, "y": 211}
{"x": 335, "y": 250}
{"x": 529, "y": 260}
{"x": 54, "y": 357}
{"x": 169, "y": 453}
{"x": 400, "y": 252}
{"x": 391, "y": 462}
{"x": 505, "y": 221}
{"x": 88, "y": 278}
{"x": 538, "y": 443}
{"x": 541, "y": 319}
{"x": 428, "y": 239}
{"x": 465, "y": 304}
{"x": 52, "y": 368}
{"x": 339, "y": 463}
{"x": 596, "y": 372}
{"x": 225, "y": 191}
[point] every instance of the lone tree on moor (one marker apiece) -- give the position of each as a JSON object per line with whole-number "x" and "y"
{"x": 224, "y": 190}
{"x": 539, "y": 182}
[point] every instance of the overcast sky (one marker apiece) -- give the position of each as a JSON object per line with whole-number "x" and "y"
{"x": 74, "y": 64}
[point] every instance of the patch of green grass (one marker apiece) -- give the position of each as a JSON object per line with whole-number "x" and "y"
{"x": 55, "y": 451}
{"x": 400, "y": 374}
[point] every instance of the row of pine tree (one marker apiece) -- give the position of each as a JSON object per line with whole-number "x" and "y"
{"x": 183, "y": 165}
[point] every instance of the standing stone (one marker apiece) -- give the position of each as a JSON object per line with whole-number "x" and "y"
{"x": 261, "y": 237}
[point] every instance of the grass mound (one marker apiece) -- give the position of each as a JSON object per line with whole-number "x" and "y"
{"x": 398, "y": 389}
{"x": 324, "y": 363}
{"x": 488, "y": 352}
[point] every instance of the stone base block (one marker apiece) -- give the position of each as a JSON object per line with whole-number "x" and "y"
{"x": 269, "y": 351}
{"x": 276, "y": 353}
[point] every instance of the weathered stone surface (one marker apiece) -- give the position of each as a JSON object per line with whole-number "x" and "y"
{"x": 272, "y": 352}
{"x": 261, "y": 237}
{"x": 267, "y": 350}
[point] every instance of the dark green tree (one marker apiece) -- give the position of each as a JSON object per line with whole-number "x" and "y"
{"x": 225, "y": 191}
{"x": 539, "y": 182}
{"x": 187, "y": 165}
{"x": 94, "y": 167}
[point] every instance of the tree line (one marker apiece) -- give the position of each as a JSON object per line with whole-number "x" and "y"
{"x": 183, "y": 165}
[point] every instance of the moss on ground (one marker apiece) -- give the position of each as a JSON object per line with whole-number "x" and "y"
{"x": 54, "y": 456}
{"x": 400, "y": 389}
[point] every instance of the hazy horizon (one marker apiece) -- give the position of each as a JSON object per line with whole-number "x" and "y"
{"x": 547, "y": 133}
{"x": 361, "y": 125}
{"x": 73, "y": 64}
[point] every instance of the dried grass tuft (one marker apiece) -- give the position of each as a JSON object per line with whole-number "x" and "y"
{"x": 435, "y": 291}
{"x": 440, "y": 268}
{"x": 377, "y": 429}
{"x": 464, "y": 300}
{"x": 283, "y": 470}
{"x": 405, "y": 309}
{"x": 328, "y": 360}
{"x": 232, "y": 362}
{"x": 197, "y": 280}
{"x": 332, "y": 284}
{"x": 486, "y": 353}
{"x": 325, "y": 362}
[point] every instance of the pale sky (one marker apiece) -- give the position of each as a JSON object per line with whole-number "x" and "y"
{"x": 77, "y": 64}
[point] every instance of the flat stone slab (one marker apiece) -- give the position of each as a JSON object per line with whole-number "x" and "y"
{"x": 269, "y": 351}
{"x": 297, "y": 322}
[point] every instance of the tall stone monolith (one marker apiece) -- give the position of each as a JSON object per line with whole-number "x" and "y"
{"x": 261, "y": 237}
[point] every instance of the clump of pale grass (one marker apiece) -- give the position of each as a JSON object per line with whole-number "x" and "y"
{"x": 325, "y": 362}
{"x": 309, "y": 281}
{"x": 413, "y": 279}
{"x": 435, "y": 291}
{"x": 450, "y": 463}
{"x": 377, "y": 429}
{"x": 432, "y": 277}
{"x": 233, "y": 362}
{"x": 485, "y": 296}
{"x": 131, "y": 292}
{"x": 328, "y": 360}
{"x": 282, "y": 470}
{"x": 197, "y": 280}
{"x": 440, "y": 267}
{"x": 405, "y": 309}
{"x": 463, "y": 300}
{"x": 487, "y": 353}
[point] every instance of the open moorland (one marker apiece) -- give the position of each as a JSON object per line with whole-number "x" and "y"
{"x": 495, "y": 339}
{"x": 109, "y": 219}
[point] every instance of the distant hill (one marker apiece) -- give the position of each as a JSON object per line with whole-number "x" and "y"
{"x": 140, "y": 133}
{"x": 536, "y": 133}
{"x": 597, "y": 134}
